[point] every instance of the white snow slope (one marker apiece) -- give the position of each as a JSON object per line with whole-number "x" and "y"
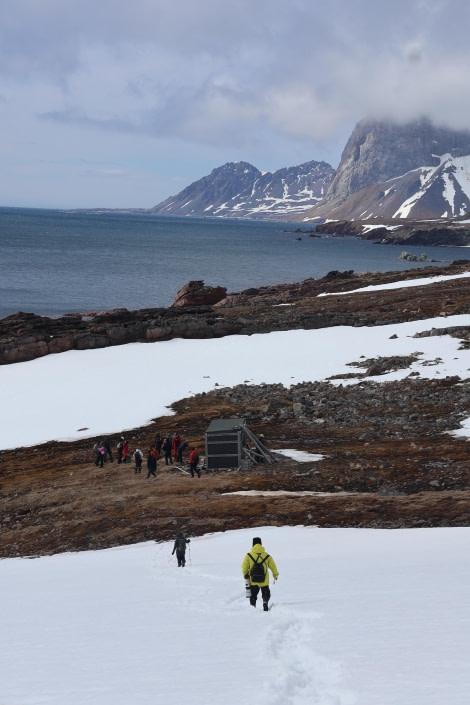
{"x": 359, "y": 617}
{"x": 80, "y": 394}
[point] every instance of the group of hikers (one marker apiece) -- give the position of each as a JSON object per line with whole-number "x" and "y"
{"x": 255, "y": 567}
{"x": 172, "y": 447}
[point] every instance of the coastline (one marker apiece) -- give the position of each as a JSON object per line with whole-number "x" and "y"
{"x": 25, "y": 336}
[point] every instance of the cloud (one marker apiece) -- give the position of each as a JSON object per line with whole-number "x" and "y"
{"x": 269, "y": 82}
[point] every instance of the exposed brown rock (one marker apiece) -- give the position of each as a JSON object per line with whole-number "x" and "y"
{"x": 195, "y": 293}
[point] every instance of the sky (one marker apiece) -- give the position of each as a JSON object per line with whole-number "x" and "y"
{"x": 358, "y": 617}
{"x": 49, "y": 398}
{"x": 121, "y": 105}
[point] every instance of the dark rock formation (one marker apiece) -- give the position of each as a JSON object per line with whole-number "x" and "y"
{"x": 378, "y": 151}
{"x": 195, "y": 293}
{"x": 454, "y": 233}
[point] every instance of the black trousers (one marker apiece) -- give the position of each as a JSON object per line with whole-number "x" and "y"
{"x": 265, "y": 593}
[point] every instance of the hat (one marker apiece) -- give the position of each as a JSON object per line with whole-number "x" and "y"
{"x": 256, "y": 540}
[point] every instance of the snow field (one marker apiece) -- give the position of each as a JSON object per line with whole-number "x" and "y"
{"x": 359, "y": 617}
{"x": 80, "y": 394}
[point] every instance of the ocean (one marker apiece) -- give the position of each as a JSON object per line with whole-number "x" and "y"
{"x": 55, "y": 262}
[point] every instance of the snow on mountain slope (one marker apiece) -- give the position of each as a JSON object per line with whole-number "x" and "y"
{"x": 239, "y": 190}
{"x": 441, "y": 191}
{"x": 445, "y": 189}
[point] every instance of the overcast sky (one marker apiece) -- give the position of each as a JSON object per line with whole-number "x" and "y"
{"x": 120, "y": 103}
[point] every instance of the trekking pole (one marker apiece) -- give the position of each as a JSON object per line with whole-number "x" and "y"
{"x": 189, "y": 549}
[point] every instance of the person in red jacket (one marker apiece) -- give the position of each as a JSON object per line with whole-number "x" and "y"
{"x": 175, "y": 443}
{"x": 193, "y": 462}
{"x": 125, "y": 451}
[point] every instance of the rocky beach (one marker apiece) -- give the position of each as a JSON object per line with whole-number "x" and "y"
{"x": 388, "y": 457}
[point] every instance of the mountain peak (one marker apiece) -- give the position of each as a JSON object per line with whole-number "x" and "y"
{"x": 240, "y": 190}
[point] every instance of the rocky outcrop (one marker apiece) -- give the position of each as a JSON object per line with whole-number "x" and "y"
{"x": 195, "y": 293}
{"x": 453, "y": 233}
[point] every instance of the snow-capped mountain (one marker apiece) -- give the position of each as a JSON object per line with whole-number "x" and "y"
{"x": 240, "y": 190}
{"x": 415, "y": 170}
{"x": 442, "y": 191}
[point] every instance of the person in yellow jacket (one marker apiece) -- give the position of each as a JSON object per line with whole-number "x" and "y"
{"x": 261, "y": 561}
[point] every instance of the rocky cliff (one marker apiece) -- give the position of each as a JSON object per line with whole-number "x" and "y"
{"x": 378, "y": 151}
{"x": 416, "y": 170}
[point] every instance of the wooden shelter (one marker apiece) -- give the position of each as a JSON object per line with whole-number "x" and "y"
{"x": 230, "y": 444}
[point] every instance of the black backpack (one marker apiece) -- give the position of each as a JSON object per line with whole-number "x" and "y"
{"x": 182, "y": 545}
{"x": 258, "y": 569}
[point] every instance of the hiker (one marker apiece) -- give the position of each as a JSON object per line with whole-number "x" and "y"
{"x": 166, "y": 447}
{"x": 95, "y": 452}
{"x": 176, "y": 440}
{"x": 138, "y": 455}
{"x": 119, "y": 449}
{"x": 158, "y": 443}
{"x": 181, "y": 448}
{"x": 100, "y": 452}
{"x": 125, "y": 451}
{"x": 109, "y": 454}
{"x": 180, "y": 548}
{"x": 152, "y": 462}
{"x": 193, "y": 462}
{"x": 255, "y": 568}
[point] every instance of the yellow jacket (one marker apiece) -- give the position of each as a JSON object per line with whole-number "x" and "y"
{"x": 258, "y": 550}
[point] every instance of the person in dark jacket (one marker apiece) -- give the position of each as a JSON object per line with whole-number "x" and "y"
{"x": 158, "y": 443}
{"x": 138, "y": 455}
{"x": 109, "y": 453}
{"x": 180, "y": 549}
{"x": 100, "y": 452}
{"x": 181, "y": 448}
{"x": 119, "y": 449}
{"x": 152, "y": 462}
{"x": 166, "y": 448}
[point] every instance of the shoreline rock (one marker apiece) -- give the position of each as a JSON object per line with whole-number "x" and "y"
{"x": 434, "y": 233}
{"x": 27, "y": 336}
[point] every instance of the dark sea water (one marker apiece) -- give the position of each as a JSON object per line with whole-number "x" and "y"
{"x": 56, "y": 262}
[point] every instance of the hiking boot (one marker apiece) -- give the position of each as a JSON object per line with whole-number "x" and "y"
{"x": 253, "y": 601}
{"x": 265, "y": 606}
